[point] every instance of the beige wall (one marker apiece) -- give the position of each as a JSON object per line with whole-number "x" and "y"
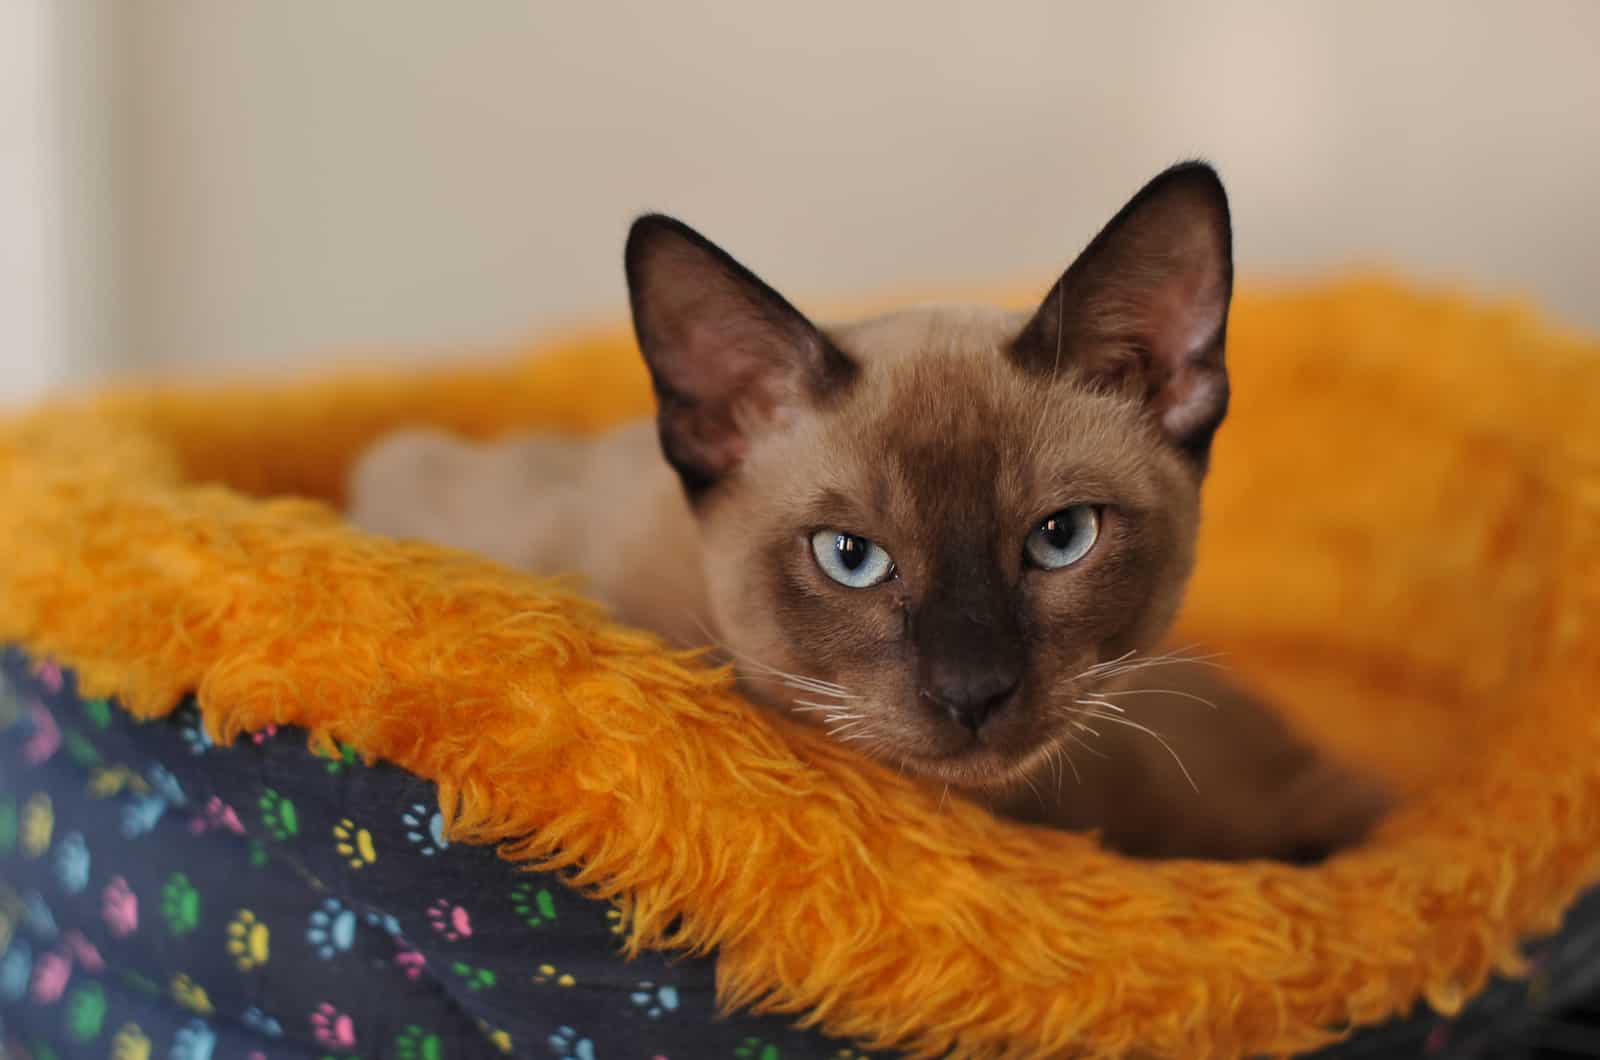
{"x": 298, "y": 178}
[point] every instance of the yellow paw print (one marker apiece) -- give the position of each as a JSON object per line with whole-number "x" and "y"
{"x": 191, "y": 995}
{"x": 497, "y": 1038}
{"x": 615, "y": 922}
{"x": 247, "y": 941}
{"x": 130, "y": 1043}
{"x": 107, "y": 781}
{"x": 38, "y": 825}
{"x": 547, "y": 974}
{"x": 354, "y": 844}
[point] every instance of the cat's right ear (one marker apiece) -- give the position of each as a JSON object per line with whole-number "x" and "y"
{"x": 729, "y": 358}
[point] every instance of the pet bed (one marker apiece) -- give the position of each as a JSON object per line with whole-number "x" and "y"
{"x": 277, "y": 788}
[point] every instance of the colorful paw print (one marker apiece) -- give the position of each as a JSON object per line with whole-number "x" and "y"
{"x": 498, "y": 1038}
{"x": 475, "y": 979}
{"x": 332, "y": 1027}
{"x": 410, "y": 961}
{"x": 45, "y": 739}
{"x": 119, "y": 908}
{"x": 567, "y": 1045}
{"x": 112, "y": 780}
{"x": 535, "y": 905}
{"x": 180, "y": 904}
{"x": 191, "y": 995}
{"x": 413, "y": 1043}
{"x": 261, "y": 1023}
{"x": 249, "y": 941}
{"x": 425, "y": 830}
{"x": 756, "y": 1049}
{"x": 16, "y": 971}
{"x": 80, "y": 749}
{"x": 216, "y": 814}
{"x": 72, "y": 862}
{"x": 616, "y": 923}
{"x": 193, "y": 731}
{"x": 546, "y": 974}
{"x": 141, "y": 815}
{"x": 341, "y": 759}
{"x": 51, "y": 973}
{"x": 194, "y": 1041}
{"x": 98, "y": 711}
{"x": 164, "y": 784}
{"x": 655, "y": 1001}
{"x": 278, "y": 816}
{"x": 49, "y": 674}
{"x": 383, "y": 922}
{"x": 37, "y": 915}
{"x": 450, "y": 920}
{"x": 36, "y": 825}
{"x": 130, "y": 1043}
{"x": 86, "y": 1013}
{"x": 8, "y": 826}
{"x": 331, "y": 930}
{"x": 354, "y": 844}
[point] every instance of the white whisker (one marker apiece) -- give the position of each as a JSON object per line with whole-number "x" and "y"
{"x": 1130, "y": 723}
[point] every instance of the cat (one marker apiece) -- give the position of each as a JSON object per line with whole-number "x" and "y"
{"x": 951, "y": 536}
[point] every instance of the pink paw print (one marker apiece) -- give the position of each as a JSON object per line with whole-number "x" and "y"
{"x": 332, "y": 1027}
{"x": 119, "y": 906}
{"x": 49, "y": 675}
{"x": 46, "y": 738}
{"x": 216, "y": 814}
{"x": 50, "y": 977}
{"x": 411, "y": 962}
{"x": 262, "y": 736}
{"x": 83, "y": 951}
{"x": 449, "y": 920}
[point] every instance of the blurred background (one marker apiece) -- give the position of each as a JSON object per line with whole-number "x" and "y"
{"x": 195, "y": 187}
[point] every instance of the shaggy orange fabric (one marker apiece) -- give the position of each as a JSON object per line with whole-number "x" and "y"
{"x": 1402, "y": 545}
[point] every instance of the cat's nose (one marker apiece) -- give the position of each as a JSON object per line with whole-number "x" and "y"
{"x": 971, "y": 696}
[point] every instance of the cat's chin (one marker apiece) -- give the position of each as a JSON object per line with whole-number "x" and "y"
{"x": 979, "y": 770}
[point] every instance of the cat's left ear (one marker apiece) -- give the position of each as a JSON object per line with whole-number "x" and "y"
{"x": 1144, "y": 309}
{"x": 729, "y": 357}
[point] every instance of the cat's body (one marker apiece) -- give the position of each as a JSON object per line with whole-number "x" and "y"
{"x": 945, "y": 535}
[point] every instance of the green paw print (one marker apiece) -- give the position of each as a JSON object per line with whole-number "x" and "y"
{"x": 258, "y": 855}
{"x": 8, "y": 826}
{"x": 278, "y": 816}
{"x": 534, "y": 905}
{"x": 180, "y": 904}
{"x": 476, "y": 978}
{"x": 98, "y": 711}
{"x": 756, "y": 1049}
{"x": 142, "y": 984}
{"x": 86, "y": 1013}
{"x": 84, "y": 755}
{"x": 414, "y": 1043}
{"x": 338, "y": 763}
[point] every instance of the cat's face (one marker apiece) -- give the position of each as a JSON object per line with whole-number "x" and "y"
{"x": 937, "y": 522}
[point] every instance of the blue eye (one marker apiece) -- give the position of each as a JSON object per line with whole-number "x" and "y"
{"x": 1064, "y": 538}
{"x": 850, "y": 559}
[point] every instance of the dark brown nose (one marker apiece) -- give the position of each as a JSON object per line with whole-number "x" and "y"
{"x": 970, "y": 695}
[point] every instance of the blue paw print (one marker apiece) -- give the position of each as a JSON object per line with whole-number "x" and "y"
{"x": 194, "y": 1041}
{"x": 141, "y": 815}
{"x": 37, "y": 915}
{"x": 332, "y": 929}
{"x": 193, "y": 732}
{"x": 261, "y": 1023}
{"x": 166, "y": 785}
{"x": 383, "y": 922}
{"x": 15, "y": 969}
{"x": 566, "y": 1044}
{"x": 72, "y": 862}
{"x": 655, "y": 1000}
{"x": 425, "y": 829}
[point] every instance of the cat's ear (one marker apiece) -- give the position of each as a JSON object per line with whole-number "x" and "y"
{"x": 1144, "y": 309}
{"x": 728, "y": 356}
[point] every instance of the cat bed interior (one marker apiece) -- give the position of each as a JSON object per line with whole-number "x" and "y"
{"x": 1401, "y": 546}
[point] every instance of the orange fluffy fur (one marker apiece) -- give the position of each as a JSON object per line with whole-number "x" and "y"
{"x": 1402, "y": 545}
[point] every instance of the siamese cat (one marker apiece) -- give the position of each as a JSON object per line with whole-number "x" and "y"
{"x": 953, "y": 537}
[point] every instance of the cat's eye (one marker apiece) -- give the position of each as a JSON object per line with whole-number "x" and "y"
{"x": 1064, "y": 538}
{"x": 850, "y": 559}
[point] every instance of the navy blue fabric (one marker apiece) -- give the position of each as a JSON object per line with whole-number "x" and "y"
{"x": 163, "y": 897}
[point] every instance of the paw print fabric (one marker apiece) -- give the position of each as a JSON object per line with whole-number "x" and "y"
{"x": 165, "y": 897}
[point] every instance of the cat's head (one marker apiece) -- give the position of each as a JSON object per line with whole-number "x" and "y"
{"x": 935, "y": 522}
